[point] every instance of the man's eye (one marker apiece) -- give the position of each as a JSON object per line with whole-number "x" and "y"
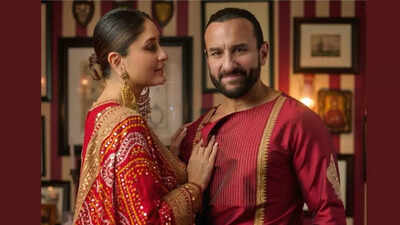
{"x": 241, "y": 49}
{"x": 215, "y": 53}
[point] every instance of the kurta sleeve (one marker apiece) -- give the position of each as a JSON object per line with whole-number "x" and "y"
{"x": 315, "y": 163}
{"x": 144, "y": 186}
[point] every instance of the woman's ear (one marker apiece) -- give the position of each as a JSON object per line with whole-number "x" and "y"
{"x": 263, "y": 52}
{"x": 114, "y": 59}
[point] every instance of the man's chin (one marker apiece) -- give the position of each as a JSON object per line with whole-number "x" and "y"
{"x": 234, "y": 93}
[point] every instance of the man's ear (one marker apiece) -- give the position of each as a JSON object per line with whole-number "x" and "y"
{"x": 115, "y": 61}
{"x": 264, "y": 48}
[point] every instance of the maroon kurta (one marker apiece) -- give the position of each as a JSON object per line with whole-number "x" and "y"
{"x": 299, "y": 166}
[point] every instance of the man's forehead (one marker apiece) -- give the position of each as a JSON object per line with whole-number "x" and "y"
{"x": 233, "y": 32}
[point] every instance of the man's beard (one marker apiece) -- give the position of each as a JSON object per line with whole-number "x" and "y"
{"x": 249, "y": 79}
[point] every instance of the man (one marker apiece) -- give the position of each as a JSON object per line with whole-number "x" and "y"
{"x": 274, "y": 153}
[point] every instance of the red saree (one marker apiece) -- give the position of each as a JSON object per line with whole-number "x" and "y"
{"x": 128, "y": 176}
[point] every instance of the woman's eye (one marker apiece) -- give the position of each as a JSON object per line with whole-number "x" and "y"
{"x": 151, "y": 47}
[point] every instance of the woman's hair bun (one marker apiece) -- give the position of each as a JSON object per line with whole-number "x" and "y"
{"x": 95, "y": 68}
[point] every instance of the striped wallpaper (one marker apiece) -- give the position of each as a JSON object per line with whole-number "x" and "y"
{"x": 186, "y": 21}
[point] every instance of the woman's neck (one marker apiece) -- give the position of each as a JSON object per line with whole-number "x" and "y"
{"x": 112, "y": 90}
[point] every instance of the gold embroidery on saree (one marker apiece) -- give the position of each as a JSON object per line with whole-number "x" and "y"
{"x": 262, "y": 161}
{"x": 333, "y": 177}
{"x": 177, "y": 166}
{"x": 180, "y": 202}
{"x": 103, "y": 139}
{"x": 105, "y": 122}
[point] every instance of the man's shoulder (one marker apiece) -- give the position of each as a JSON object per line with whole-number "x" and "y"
{"x": 196, "y": 123}
{"x": 294, "y": 110}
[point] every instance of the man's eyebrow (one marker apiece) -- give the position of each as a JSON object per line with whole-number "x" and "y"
{"x": 241, "y": 45}
{"x": 214, "y": 49}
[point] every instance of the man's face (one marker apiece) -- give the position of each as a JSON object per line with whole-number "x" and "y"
{"x": 234, "y": 62}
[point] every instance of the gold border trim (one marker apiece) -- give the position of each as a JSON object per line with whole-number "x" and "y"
{"x": 205, "y": 120}
{"x": 333, "y": 177}
{"x": 104, "y": 124}
{"x": 262, "y": 160}
{"x": 177, "y": 166}
{"x": 180, "y": 202}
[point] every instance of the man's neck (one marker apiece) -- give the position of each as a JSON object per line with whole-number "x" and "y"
{"x": 257, "y": 95}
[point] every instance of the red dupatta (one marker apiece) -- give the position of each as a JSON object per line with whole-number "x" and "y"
{"x": 127, "y": 175}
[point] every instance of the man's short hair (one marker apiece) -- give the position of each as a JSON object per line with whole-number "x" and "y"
{"x": 233, "y": 13}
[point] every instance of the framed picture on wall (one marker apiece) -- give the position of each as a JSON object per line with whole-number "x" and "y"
{"x": 263, "y": 11}
{"x": 346, "y": 171}
{"x": 326, "y": 45}
{"x": 56, "y": 192}
{"x": 77, "y": 90}
{"x": 43, "y": 146}
{"x": 48, "y": 214}
{"x": 46, "y": 50}
{"x": 171, "y": 103}
{"x": 335, "y": 109}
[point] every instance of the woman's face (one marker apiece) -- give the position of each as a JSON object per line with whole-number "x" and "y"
{"x": 146, "y": 59}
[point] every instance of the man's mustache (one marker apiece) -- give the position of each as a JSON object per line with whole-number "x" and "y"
{"x": 240, "y": 71}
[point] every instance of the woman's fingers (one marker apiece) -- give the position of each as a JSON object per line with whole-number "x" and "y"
{"x": 208, "y": 149}
{"x": 198, "y": 147}
{"x": 213, "y": 153}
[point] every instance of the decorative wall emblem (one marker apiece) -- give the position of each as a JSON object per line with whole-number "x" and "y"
{"x": 123, "y": 4}
{"x": 162, "y": 11}
{"x": 83, "y": 12}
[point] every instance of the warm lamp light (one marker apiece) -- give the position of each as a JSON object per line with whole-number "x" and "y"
{"x": 43, "y": 81}
{"x": 308, "y": 102}
{"x": 84, "y": 81}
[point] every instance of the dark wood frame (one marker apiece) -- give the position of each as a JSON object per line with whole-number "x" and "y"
{"x": 348, "y": 96}
{"x": 349, "y": 160}
{"x": 49, "y": 32}
{"x": 206, "y": 89}
{"x": 48, "y": 214}
{"x": 43, "y": 146}
{"x": 66, "y": 186}
{"x": 66, "y": 43}
{"x": 298, "y": 22}
{"x": 187, "y": 69}
{"x": 63, "y": 130}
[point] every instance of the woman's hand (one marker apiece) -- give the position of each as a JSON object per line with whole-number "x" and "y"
{"x": 177, "y": 139}
{"x": 201, "y": 163}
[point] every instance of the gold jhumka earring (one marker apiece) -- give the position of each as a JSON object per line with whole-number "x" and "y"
{"x": 127, "y": 96}
{"x": 128, "y": 99}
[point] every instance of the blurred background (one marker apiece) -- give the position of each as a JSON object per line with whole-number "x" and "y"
{"x": 317, "y": 55}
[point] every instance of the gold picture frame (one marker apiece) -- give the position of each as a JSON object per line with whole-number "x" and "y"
{"x": 335, "y": 109}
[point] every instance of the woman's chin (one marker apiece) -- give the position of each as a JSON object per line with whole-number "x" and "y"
{"x": 159, "y": 81}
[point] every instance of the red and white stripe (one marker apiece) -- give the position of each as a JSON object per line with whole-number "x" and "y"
{"x": 187, "y": 22}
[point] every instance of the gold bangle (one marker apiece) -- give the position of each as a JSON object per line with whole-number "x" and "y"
{"x": 197, "y": 186}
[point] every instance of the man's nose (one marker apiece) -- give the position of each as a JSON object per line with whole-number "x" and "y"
{"x": 228, "y": 63}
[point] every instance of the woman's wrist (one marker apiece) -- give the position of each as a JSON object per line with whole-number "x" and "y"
{"x": 196, "y": 194}
{"x": 200, "y": 189}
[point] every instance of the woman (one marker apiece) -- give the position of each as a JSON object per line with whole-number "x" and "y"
{"x": 128, "y": 176}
